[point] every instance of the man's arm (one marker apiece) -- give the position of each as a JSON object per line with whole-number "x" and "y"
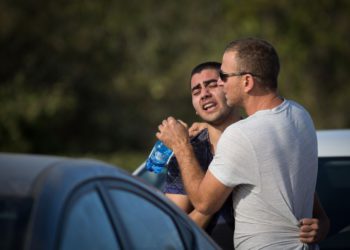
{"x": 184, "y": 203}
{"x": 200, "y": 219}
{"x": 206, "y": 193}
{"x": 181, "y": 201}
{"x": 316, "y": 229}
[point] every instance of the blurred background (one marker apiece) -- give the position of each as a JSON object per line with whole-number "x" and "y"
{"x": 94, "y": 78}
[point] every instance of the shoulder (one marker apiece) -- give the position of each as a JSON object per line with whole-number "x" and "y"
{"x": 234, "y": 136}
{"x": 201, "y": 137}
{"x": 299, "y": 113}
{"x": 297, "y": 106}
{"x": 291, "y": 105}
{"x": 294, "y": 105}
{"x": 237, "y": 129}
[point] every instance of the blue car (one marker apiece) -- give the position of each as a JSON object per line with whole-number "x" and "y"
{"x": 49, "y": 203}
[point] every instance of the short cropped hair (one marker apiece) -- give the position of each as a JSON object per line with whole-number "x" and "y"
{"x": 206, "y": 65}
{"x": 258, "y": 57}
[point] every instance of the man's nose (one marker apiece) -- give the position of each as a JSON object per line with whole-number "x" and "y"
{"x": 205, "y": 93}
{"x": 220, "y": 82}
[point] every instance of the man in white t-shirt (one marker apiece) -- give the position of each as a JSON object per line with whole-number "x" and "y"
{"x": 269, "y": 159}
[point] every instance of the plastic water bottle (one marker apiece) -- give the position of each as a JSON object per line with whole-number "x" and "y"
{"x": 158, "y": 158}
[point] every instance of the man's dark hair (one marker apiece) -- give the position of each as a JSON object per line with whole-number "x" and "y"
{"x": 258, "y": 57}
{"x": 206, "y": 65}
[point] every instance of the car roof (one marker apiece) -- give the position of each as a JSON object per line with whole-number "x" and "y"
{"x": 333, "y": 143}
{"x": 20, "y": 172}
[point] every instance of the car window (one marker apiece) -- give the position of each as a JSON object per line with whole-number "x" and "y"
{"x": 148, "y": 226}
{"x": 87, "y": 225}
{"x": 14, "y": 217}
{"x": 333, "y": 189}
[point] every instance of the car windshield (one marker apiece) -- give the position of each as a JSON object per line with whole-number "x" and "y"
{"x": 14, "y": 216}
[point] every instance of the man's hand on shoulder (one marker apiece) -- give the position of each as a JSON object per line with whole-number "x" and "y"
{"x": 196, "y": 128}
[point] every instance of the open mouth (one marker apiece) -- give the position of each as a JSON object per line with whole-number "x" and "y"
{"x": 209, "y": 106}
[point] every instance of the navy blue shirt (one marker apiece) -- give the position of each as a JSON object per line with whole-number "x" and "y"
{"x": 221, "y": 225}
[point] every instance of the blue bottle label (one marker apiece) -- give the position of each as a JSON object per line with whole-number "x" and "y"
{"x": 158, "y": 158}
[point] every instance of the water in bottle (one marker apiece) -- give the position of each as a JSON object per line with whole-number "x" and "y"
{"x": 158, "y": 158}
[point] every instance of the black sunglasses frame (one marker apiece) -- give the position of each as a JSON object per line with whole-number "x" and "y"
{"x": 224, "y": 76}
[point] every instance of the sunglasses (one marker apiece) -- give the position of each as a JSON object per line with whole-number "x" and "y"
{"x": 224, "y": 76}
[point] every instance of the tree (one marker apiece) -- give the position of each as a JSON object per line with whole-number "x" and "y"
{"x": 99, "y": 76}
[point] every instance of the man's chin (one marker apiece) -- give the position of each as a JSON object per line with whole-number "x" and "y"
{"x": 212, "y": 121}
{"x": 231, "y": 105}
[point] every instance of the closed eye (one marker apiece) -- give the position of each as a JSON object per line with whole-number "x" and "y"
{"x": 212, "y": 84}
{"x": 196, "y": 90}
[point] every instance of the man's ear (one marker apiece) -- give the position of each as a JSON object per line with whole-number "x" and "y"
{"x": 248, "y": 83}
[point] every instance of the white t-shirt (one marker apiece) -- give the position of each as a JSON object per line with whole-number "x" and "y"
{"x": 271, "y": 160}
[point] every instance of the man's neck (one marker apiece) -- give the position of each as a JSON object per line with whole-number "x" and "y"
{"x": 215, "y": 131}
{"x": 263, "y": 102}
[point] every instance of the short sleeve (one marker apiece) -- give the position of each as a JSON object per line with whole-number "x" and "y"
{"x": 235, "y": 161}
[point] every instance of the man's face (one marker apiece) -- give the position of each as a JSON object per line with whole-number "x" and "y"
{"x": 232, "y": 86}
{"x": 208, "y": 98}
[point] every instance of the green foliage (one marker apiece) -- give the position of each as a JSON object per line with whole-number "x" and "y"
{"x": 99, "y": 76}
{"x": 129, "y": 160}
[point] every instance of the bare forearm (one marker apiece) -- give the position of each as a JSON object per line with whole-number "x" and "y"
{"x": 205, "y": 192}
{"x": 181, "y": 201}
{"x": 200, "y": 219}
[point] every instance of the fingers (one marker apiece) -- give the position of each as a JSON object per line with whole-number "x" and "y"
{"x": 158, "y": 134}
{"x": 170, "y": 121}
{"x": 309, "y": 224}
{"x": 164, "y": 123}
{"x": 308, "y": 221}
{"x": 196, "y": 128}
{"x": 308, "y": 240}
{"x": 172, "y": 132}
{"x": 308, "y": 235}
{"x": 183, "y": 123}
{"x": 193, "y": 130}
{"x": 309, "y": 229}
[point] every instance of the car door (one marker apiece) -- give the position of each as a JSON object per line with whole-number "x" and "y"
{"x": 86, "y": 223}
{"x": 333, "y": 189}
{"x": 152, "y": 223}
{"x": 120, "y": 214}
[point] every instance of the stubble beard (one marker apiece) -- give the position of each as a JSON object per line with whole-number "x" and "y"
{"x": 220, "y": 118}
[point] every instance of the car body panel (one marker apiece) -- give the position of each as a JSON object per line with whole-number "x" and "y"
{"x": 333, "y": 143}
{"x": 50, "y": 182}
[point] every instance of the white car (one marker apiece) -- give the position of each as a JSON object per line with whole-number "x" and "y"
{"x": 333, "y": 184}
